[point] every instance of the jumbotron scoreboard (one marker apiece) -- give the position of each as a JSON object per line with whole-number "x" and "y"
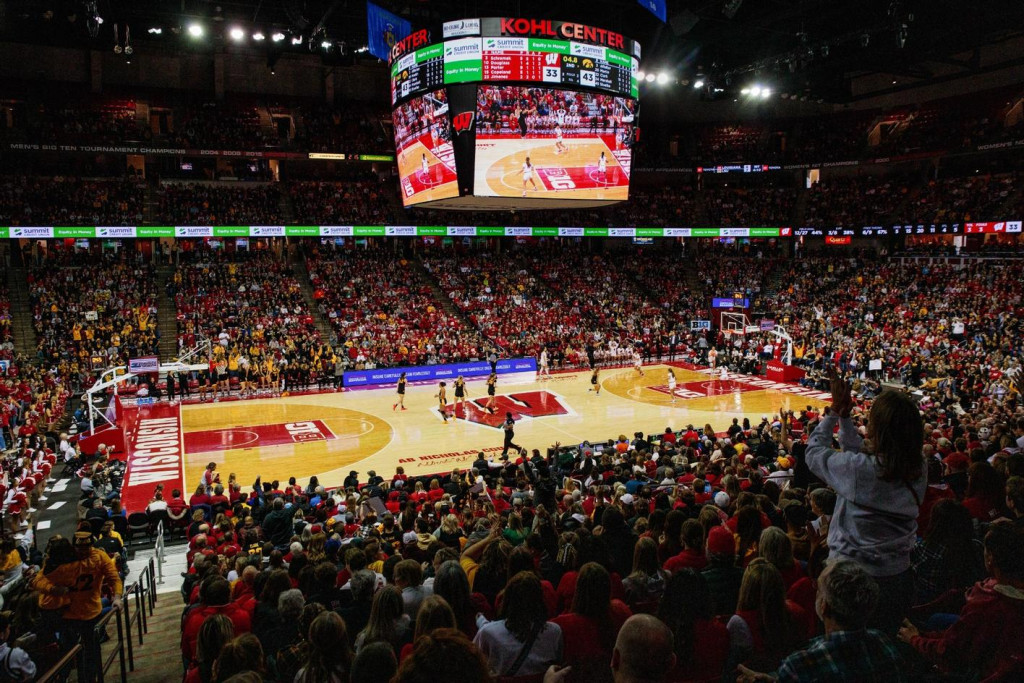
{"x": 514, "y": 113}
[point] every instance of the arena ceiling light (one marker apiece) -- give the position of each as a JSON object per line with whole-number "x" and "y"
{"x": 155, "y": 31}
{"x": 698, "y": 84}
{"x": 766, "y": 93}
{"x": 650, "y": 78}
{"x": 277, "y": 37}
{"x": 237, "y": 34}
{"x": 258, "y": 36}
{"x": 296, "y": 40}
{"x": 326, "y": 44}
{"x": 196, "y": 30}
{"x": 662, "y": 78}
{"x": 640, "y": 75}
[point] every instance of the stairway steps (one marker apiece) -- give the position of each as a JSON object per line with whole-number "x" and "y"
{"x": 25, "y": 341}
{"x": 306, "y": 286}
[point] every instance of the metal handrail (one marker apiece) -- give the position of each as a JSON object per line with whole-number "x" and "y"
{"x": 119, "y": 648}
{"x": 57, "y": 671}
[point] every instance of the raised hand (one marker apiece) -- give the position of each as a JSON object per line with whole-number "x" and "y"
{"x": 842, "y": 401}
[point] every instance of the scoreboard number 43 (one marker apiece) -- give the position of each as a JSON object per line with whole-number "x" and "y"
{"x": 587, "y": 78}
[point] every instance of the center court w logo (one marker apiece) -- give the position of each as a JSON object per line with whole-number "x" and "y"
{"x": 529, "y": 404}
{"x": 463, "y": 121}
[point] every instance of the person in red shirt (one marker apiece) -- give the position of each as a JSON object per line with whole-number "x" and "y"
{"x": 985, "y": 497}
{"x": 669, "y": 436}
{"x": 692, "y": 556}
{"x": 590, "y": 628}
{"x": 701, "y": 642}
{"x": 199, "y": 497}
{"x": 986, "y": 637}
{"x": 215, "y": 598}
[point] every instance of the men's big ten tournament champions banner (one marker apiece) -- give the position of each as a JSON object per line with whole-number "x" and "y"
{"x": 426, "y": 373}
{"x": 385, "y": 29}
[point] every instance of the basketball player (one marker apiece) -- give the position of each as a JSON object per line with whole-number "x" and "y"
{"x": 492, "y": 381}
{"x": 400, "y": 393}
{"x": 595, "y": 385}
{"x": 672, "y": 384}
{"x": 545, "y": 371}
{"x": 528, "y": 175}
{"x": 424, "y": 167}
{"x": 638, "y": 362}
{"x": 602, "y": 167}
{"x": 460, "y": 395}
{"x": 442, "y": 401}
{"x": 243, "y": 375}
{"x": 223, "y": 383}
{"x": 559, "y": 145}
{"x": 712, "y": 357}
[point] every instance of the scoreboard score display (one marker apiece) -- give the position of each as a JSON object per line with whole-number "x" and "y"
{"x": 567, "y": 91}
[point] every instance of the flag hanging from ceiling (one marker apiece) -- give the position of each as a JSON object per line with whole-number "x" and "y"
{"x": 385, "y": 29}
{"x": 655, "y": 7}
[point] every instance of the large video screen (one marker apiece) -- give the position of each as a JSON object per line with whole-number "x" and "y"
{"x": 544, "y": 143}
{"x": 423, "y": 139}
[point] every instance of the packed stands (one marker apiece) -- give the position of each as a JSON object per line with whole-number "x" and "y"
{"x": 219, "y": 125}
{"x": 352, "y": 127}
{"x": 854, "y": 201}
{"x": 98, "y": 325}
{"x": 357, "y": 202}
{"x": 742, "y": 206}
{"x": 249, "y": 304}
{"x": 383, "y": 313}
{"x": 219, "y": 204}
{"x": 29, "y": 200}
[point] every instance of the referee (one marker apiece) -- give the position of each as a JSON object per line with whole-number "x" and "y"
{"x": 509, "y": 426}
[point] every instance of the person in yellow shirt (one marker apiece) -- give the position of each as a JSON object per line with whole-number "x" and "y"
{"x": 82, "y": 582}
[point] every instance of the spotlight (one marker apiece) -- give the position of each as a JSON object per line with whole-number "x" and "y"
{"x": 236, "y": 34}
{"x": 258, "y": 36}
{"x": 326, "y": 44}
{"x": 640, "y": 75}
{"x": 755, "y": 91}
{"x": 155, "y": 31}
{"x": 650, "y": 78}
{"x": 745, "y": 91}
{"x": 698, "y": 84}
{"x": 766, "y": 93}
{"x": 277, "y": 37}
{"x": 297, "y": 40}
{"x": 195, "y": 30}
{"x": 662, "y": 78}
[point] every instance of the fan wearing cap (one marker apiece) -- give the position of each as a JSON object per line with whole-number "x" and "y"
{"x": 83, "y": 581}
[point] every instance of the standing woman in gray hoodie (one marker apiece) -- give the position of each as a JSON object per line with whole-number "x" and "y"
{"x": 878, "y": 494}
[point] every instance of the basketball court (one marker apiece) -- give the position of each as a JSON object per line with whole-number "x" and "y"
{"x": 329, "y": 434}
{"x": 438, "y": 180}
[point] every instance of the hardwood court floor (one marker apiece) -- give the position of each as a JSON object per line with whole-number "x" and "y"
{"x": 329, "y": 434}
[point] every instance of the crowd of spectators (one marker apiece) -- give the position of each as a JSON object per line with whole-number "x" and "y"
{"x": 506, "y": 299}
{"x": 30, "y": 200}
{"x": 383, "y": 313}
{"x": 750, "y": 206}
{"x": 93, "y": 312}
{"x": 368, "y": 201}
{"x": 691, "y": 555}
{"x": 958, "y": 200}
{"x": 209, "y": 204}
{"x": 252, "y": 309}
{"x": 224, "y": 125}
{"x": 352, "y": 128}
{"x": 76, "y": 122}
{"x": 854, "y": 202}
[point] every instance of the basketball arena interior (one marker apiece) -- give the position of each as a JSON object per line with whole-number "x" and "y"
{"x": 371, "y": 341}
